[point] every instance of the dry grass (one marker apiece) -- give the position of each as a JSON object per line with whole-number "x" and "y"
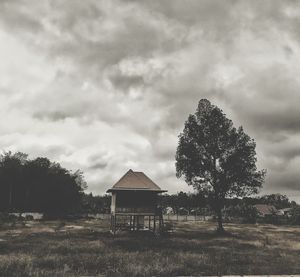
{"x": 81, "y": 248}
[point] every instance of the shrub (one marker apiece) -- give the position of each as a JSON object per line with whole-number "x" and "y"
{"x": 168, "y": 227}
{"x": 295, "y": 216}
{"x": 4, "y": 217}
{"x": 29, "y": 217}
{"x": 248, "y": 213}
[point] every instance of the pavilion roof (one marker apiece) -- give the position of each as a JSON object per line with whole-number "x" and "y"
{"x": 135, "y": 180}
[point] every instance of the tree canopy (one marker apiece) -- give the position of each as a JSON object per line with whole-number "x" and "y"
{"x": 38, "y": 185}
{"x": 216, "y": 158}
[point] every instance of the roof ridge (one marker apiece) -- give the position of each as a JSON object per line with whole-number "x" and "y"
{"x": 140, "y": 179}
{"x": 150, "y": 180}
{"x": 123, "y": 176}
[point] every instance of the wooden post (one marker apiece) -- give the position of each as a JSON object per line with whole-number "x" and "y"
{"x": 115, "y": 222}
{"x": 159, "y": 224}
{"x": 133, "y": 223}
{"x": 130, "y": 223}
{"x": 111, "y": 222}
{"x": 149, "y": 222}
{"x": 154, "y": 224}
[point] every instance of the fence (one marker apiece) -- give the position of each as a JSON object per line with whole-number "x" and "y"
{"x": 176, "y": 217}
{"x": 168, "y": 217}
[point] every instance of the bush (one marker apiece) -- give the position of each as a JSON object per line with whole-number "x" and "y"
{"x": 168, "y": 227}
{"x": 271, "y": 219}
{"x": 29, "y": 217}
{"x": 8, "y": 218}
{"x": 295, "y": 216}
{"x": 248, "y": 213}
{"x": 4, "y": 217}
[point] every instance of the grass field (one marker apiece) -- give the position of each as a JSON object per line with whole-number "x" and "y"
{"x": 86, "y": 248}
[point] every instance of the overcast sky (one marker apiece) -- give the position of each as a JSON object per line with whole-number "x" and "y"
{"x": 105, "y": 86}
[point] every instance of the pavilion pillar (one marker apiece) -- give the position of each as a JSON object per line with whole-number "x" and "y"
{"x": 115, "y": 222}
{"x": 133, "y": 223}
{"x": 159, "y": 224}
{"x": 130, "y": 222}
{"x": 111, "y": 222}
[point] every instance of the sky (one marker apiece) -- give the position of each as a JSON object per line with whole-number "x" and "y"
{"x": 105, "y": 86}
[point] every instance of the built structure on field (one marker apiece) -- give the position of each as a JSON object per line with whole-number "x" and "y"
{"x": 134, "y": 203}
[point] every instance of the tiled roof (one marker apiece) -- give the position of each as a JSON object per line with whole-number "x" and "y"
{"x": 135, "y": 180}
{"x": 264, "y": 209}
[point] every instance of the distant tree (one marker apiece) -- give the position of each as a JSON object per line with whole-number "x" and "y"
{"x": 293, "y": 204}
{"x": 38, "y": 185}
{"x": 183, "y": 202}
{"x": 278, "y": 200}
{"x": 248, "y": 213}
{"x": 11, "y": 179}
{"x": 295, "y": 215}
{"x": 96, "y": 203}
{"x": 36, "y": 181}
{"x": 187, "y": 201}
{"x": 216, "y": 158}
{"x": 167, "y": 200}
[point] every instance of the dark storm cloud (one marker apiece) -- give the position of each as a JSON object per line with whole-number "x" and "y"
{"x": 98, "y": 165}
{"x": 107, "y": 85}
{"x": 98, "y": 161}
{"x": 274, "y": 101}
{"x": 17, "y": 16}
{"x": 52, "y": 116}
{"x": 123, "y": 83}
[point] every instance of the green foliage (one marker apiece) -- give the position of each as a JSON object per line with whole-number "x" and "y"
{"x": 248, "y": 213}
{"x": 295, "y": 216}
{"x": 4, "y": 217}
{"x": 38, "y": 185}
{"x": 277, "y": 200}
{"x": 96, "y": 204}
{"x": 216, "y": 158}
{"x": 189, "y": 201}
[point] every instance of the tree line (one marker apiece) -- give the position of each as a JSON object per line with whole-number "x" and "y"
{"x": 189, "y": 203}
{"x": 38, "y": 185}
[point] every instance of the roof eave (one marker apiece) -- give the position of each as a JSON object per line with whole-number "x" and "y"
{"x": 134, "y": 189}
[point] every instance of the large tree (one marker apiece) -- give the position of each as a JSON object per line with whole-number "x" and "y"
{"x": 216, "y": 158}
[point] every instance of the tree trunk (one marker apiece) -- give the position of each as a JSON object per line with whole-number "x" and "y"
{"x": 220, "y": 228}
{"x": 10, "y": 198}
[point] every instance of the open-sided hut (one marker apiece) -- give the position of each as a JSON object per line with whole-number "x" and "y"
{"x": 134, "y": 203}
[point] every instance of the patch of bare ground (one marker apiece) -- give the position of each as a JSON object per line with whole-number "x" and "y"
{"x": 85, "y": 247}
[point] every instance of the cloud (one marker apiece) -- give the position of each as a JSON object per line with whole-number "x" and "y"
{"x": 106, "y": 86}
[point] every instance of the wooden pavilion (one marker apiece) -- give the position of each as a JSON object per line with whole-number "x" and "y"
{"x": 134, "y": 203}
